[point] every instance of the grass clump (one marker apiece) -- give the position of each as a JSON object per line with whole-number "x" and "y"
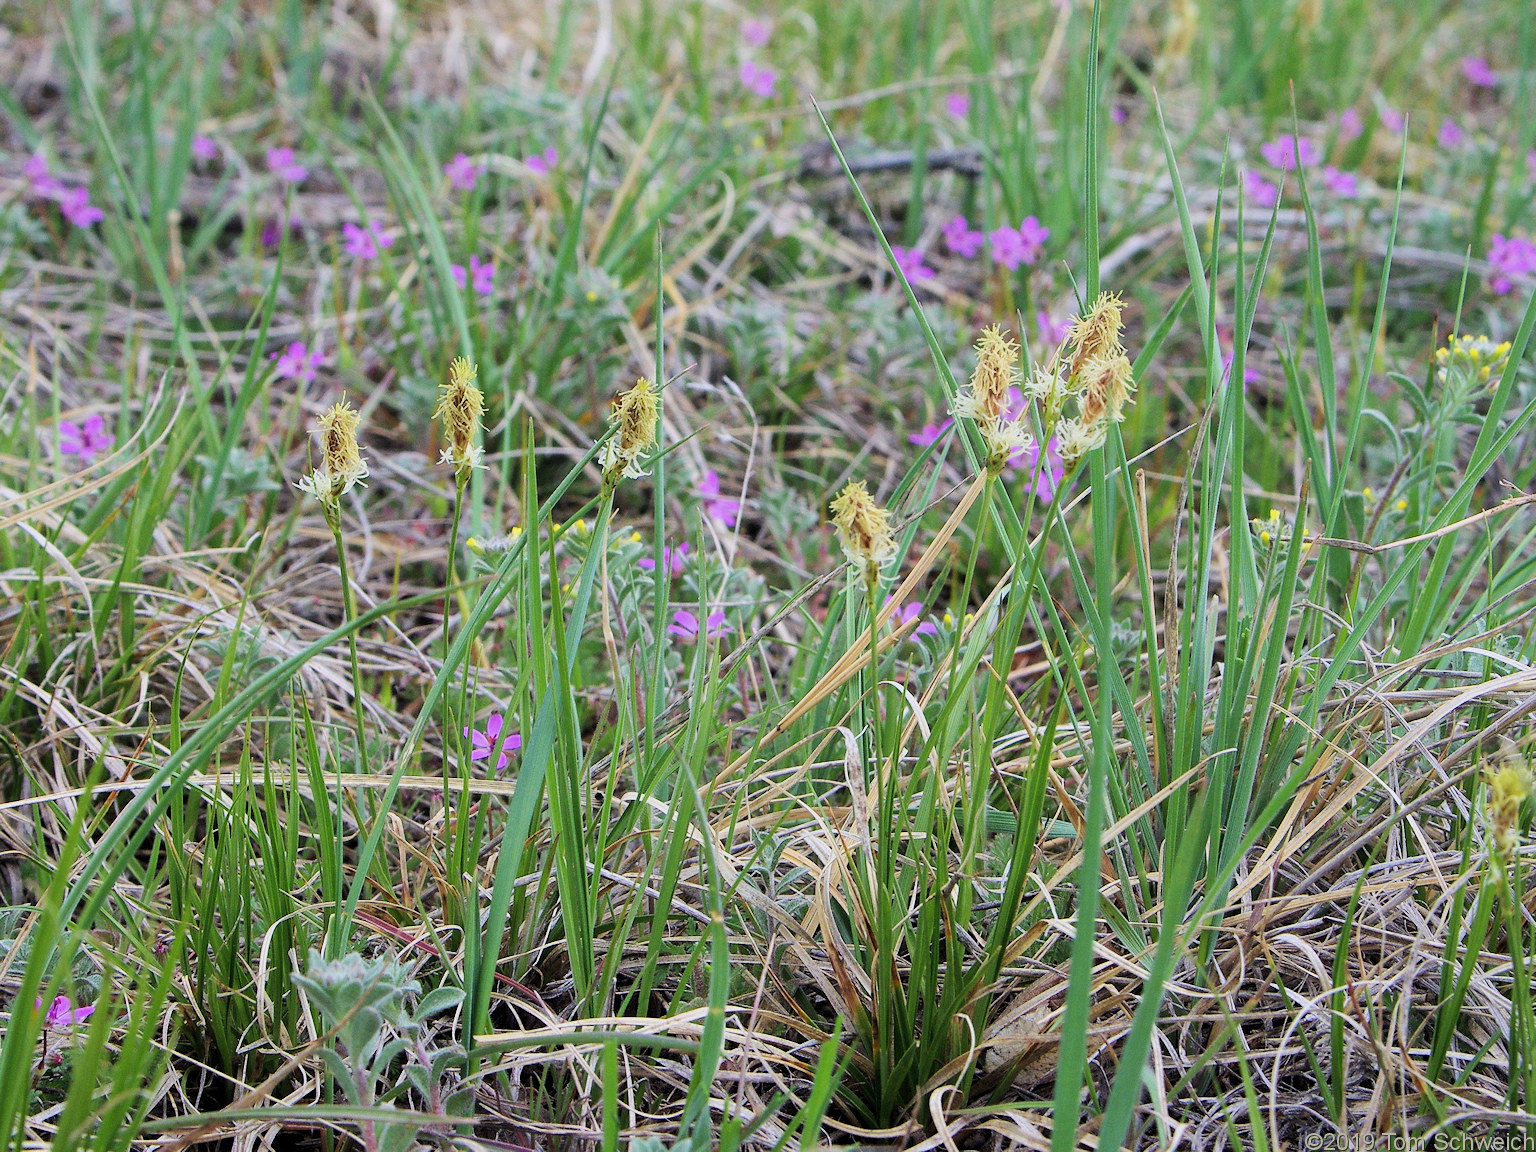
{"x": 928, "y": 575}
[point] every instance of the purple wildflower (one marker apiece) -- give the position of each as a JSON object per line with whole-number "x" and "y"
{"x": 905, "y": 614}
{"x": 1349, "y": 124}
{"x": 1260, "y": 190}
{"x": 77, "y": 208}
{"x": 1034, "y": 234}
{"x": 716, "y": 507}
{"x": 1450, "y": 135}
{"x": 62, "y": 1016}
{"x": 491, "y": 740}
{"x": 1119, "y": 114}
{"x": 204, "y": 148}
{"x": 1045, "y": 476}
{"x": 85, "y": 439}
{"x": 1341, "y": 183}
{"x": 543, "y": 162}
{"x": 1016, "y": 405}
{"x": 685, "y": 626}
{"x": 672, "y": 559}
{"x": 462, "y": 172}
{"x": 961, "y": 239}
{"x": 754, "y": 33}
{"x": 909, "y": 262}
{"x": 958, "y": 104}
{"x": 929, "y": 433}
{"x": 365, "y": 243}
{"x": 1511, "y": 257}
{"x": 1014, "y": 246}
{"x": 297, "y": 362}
{"x": 43, "y": 183}
{"x": 1393, "y": 119}
{"x": 1052, "y": 331}
{"x": 1478, "y": 71}
{"x": 756, "y": 80}
{"x": 1007, "y": 248}
{"x": 1283, "y": 152}
{"x": 481, "y": 276}
{"x": 284, "y": 167}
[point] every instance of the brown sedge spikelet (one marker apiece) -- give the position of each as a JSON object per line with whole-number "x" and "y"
{"x": 1096, "y": 333}
{"x": 635, "y": 415}
{"x": 341, "y": 464}
{"x": 459, "y": 406}
{"x": 864, "y": 529}
{"x": 985, "y": 400}
{"x": 1106, "y": 389}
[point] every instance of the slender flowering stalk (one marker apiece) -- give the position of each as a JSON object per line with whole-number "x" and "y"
{"x": 341, "y": 468}
{"x": 635, "y": 415}
{"x": 342, "y": 465}
{"x": 459, "y": 406}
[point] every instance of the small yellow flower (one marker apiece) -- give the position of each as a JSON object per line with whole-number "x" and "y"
{"x": 1368, "y": 495}
{"x": 580, "y": 525}
{"x": 636, "y": 537}
{"x": 1401, "y": 505}
{"x": 591, "y": 297}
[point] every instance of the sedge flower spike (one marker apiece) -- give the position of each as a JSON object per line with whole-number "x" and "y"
{"x": 993, "y": 399}
{"x": 342, "y": 465}
{"x": 1508, "y": 787}
{"x": 459, "y": 405}
{"x": 1106, "y": 388}
{"x": 863, "y": 529}
{"x": 635, "y": 416}
{"x": 1097, "y": 332}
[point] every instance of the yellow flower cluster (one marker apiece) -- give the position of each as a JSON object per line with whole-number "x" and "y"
{"x": 1477, "y": 355}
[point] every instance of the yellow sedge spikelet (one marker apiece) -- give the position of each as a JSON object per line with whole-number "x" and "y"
{"x": 985, "y": 400}
{"x": 635, "y": 415}
{"x": 341, "y": 464}
{"x": 863, "y": 528}
{"x": 1106, "y": 389}
{"x": 1096, "y": 332}
{"x": 1508, "y": 787}
{"x": 459, "y": 406}
{"x": 1075, "y": 439}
